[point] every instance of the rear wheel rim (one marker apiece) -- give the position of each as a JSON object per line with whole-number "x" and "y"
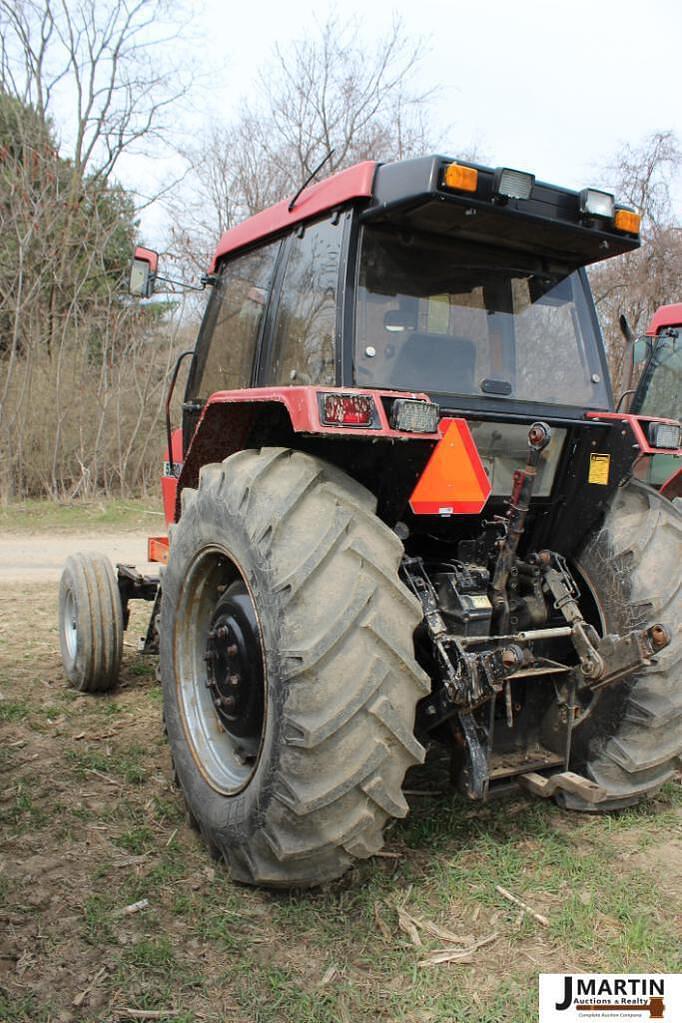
{"x": 220, "y": 677}
{"x": 70, "y": 626}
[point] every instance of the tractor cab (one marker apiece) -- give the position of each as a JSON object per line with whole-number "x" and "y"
{"x": 464, "y": 283}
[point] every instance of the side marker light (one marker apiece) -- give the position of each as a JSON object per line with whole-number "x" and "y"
{"x": 464, "y": 179}
{"x": 627, "y": 220}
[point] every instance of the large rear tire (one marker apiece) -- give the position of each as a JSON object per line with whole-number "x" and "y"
{"x": 283, "y": 584}
{"x": 90, "y": 623}
{"x": 631, "y": 742}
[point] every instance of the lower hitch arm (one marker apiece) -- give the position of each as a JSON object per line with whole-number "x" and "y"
{"x": 624, "y": 655}
{"x": 603, "y": 660}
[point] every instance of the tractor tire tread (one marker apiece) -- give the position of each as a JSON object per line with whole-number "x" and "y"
{"x": 91, "y": 579}
{"x": 350, "y": 681}
{"x": 645, "y": 748}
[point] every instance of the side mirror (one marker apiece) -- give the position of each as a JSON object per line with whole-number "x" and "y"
{"x": 629, "y": 359}
{"x": 143, "y": 272}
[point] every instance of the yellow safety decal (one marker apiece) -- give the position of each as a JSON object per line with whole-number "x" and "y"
{"x": 599, "y": 469}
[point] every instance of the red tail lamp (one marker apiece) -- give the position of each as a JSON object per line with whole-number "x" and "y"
{"x": 348, "y": 410}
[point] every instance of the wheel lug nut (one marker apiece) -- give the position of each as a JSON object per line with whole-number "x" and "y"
{"x": 228, "y": 702}
{"x": 223, "y": 632}
{"x": 234, "y": 680}
{"x": 232, "y": 650}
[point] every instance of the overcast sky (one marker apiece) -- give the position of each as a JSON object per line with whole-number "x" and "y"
{"x": 546, "y": 86}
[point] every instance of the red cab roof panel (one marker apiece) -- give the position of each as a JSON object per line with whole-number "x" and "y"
{"x": 354, "y": 183}
{"x": 665, "y": 316}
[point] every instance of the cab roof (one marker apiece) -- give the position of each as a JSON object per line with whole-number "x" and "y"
{"x": 354, "y": 183}
{"x": 411, "y": 195}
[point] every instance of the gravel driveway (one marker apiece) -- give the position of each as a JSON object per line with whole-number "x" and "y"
{"x": 39, "y": 557}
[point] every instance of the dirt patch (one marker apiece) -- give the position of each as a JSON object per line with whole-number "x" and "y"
{"x": 663, "y": 860}
{"x": 92, "y": 824}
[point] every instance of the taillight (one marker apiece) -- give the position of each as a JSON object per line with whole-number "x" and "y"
{"x": 348, "y": 410}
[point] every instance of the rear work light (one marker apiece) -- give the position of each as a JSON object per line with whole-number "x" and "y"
{"x": 594, "y": 203}
{"x": 415, "y": 416}
{"x": 464, "y": 179}
{"x": 627, "y": 220}
{"x": 513, "y": 184}
{"x": 665, "y": 435}
{"x": 348, "y": 410}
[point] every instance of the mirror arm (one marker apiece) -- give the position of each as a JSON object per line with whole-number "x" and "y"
{"x": 206, "y": 280}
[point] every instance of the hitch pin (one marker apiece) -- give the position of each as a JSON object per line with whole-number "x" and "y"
{"x": 508, "y": 704}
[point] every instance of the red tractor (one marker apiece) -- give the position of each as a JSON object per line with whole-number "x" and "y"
{"x": 659, "y": 391}
{"x": 402, "y": 512}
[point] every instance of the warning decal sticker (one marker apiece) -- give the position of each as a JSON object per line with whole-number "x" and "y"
{"x": 599, "y": 469}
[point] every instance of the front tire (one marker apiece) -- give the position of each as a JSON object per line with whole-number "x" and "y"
{"x": 631, "y": 742}
{"x": 290, "y": 544}
{"x": 90, "y": 623}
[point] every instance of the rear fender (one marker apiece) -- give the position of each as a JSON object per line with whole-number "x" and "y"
{"x": 291, "y": 416}
{"x": 638, "y": 426}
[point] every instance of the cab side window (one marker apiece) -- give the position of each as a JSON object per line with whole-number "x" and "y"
{"x": 231, "y": 327}
{"x": 304, "y": 337}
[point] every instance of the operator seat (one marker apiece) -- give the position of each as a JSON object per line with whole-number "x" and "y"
{"x": 435, "y": 362}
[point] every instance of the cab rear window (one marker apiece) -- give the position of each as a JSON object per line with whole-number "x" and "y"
{"x": 435, "y": 316}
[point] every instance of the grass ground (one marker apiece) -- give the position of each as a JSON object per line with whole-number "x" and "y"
{"x": 91, "y": 823}
{"x": 77, "y": 516}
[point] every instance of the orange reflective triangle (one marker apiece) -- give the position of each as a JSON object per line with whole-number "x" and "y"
{"x": 454, "y": 481}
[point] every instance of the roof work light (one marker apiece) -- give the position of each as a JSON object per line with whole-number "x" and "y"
{"x": 594, "y": 203}
{"x": 513, "y": 184}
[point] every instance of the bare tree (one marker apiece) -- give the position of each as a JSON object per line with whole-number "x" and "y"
{"x": 637, "y": 283}
{"x": 105, "y": 62}
{"x": 326, "y": 94}
{"x": 81, "y": 368}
